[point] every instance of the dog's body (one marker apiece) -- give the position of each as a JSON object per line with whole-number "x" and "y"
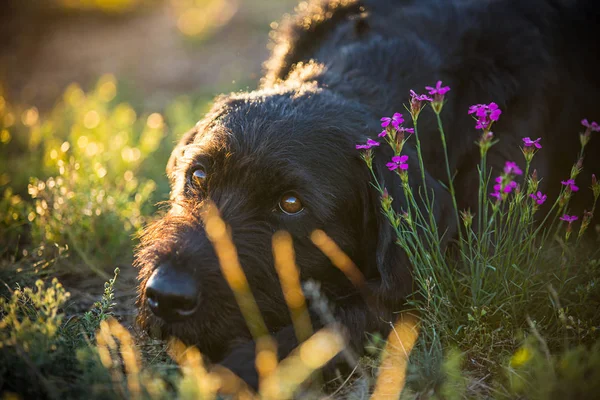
{"x": 298, "y": 135}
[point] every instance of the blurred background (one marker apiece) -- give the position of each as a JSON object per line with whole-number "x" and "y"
{"x": 158, "y": 49}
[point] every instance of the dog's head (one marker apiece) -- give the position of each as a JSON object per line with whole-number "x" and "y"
{"x": 270, "y": 160}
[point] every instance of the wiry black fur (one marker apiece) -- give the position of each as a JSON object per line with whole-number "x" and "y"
{"x": 536, "y": 59}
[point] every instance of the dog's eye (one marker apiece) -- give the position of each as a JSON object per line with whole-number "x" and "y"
{"x": 198, "y": 175}
{"x": 290, "y": 204}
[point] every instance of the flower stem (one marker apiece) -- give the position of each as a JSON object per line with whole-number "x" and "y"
{"x": 450, "y": 178}
{"x": 429, "y": 205}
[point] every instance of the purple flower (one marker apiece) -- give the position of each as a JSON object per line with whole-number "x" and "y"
{"x": 482, "y": 123}
{"x": 395, "y": 120}
{"x": 398, "y": 162}
{"x": 529, "y": 143}
{"x": 474, "y": 109}
{"x": 497, "y": 195}
{"x": 419, "y": 97}
{"x": 569, "y": 218}
{"x": 503, "y": 186}
{"x": 512, "y": 168}
{"x": 494, "y": 111}
{"x": 383, "y": 133}
{"x": 593, "y": 126}
{"x": 370, "y": 143}
{"x": 570, "y": 184}
{"x": 438, "y": 89}
{"x": 539, "y": 198}
{"x": 408, "y": 130}
{"x": 486, "y": 114}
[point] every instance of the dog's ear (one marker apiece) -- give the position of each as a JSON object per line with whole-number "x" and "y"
{"x": 177, "y": 152}
{"x": 392, "y": 262}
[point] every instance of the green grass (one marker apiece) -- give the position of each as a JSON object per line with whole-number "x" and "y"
{"x": 511, "y": 311}
{"x": 93, "y": 165}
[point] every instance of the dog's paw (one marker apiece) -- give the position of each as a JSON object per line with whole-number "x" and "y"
{"x": 241, "y": 361}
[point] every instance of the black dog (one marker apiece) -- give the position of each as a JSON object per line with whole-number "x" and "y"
{"x": 284, "y": 157}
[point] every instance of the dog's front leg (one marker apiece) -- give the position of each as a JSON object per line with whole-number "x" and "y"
{"x": 242, "y": 359}
{"x": 356, "y": 320}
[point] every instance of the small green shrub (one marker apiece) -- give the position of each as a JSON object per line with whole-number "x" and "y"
{"x": 30, "y": 339}
{"x": 89, "y": 167}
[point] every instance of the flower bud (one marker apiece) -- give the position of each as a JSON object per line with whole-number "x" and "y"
{"x": 595, "y": 187}
{"x": 533, "y": 182}
{"x": 584, "y": 138}
{"x": 467, "y": 218}
{"x": 386, "y": 201}
{"x": 577, "y": 168}
{"x": 585, "y": 222}
{"x": 367, "y": 156}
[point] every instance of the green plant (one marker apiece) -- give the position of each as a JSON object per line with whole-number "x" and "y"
{"x": 504, "y": 271}
{"x": 90, "y": 165}
{"x": 30, "y": 340}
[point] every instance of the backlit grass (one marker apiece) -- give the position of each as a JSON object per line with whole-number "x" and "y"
{"x": 509, "y": 311}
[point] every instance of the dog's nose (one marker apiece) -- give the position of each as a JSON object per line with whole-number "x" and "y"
{"x": 171, "y": 295}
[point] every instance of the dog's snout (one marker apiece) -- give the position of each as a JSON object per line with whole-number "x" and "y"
{"x": 172, "y": 295}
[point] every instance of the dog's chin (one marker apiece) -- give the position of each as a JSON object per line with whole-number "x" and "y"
{"x": 212, "y": 336}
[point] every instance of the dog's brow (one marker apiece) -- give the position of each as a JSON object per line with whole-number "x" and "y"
{"x": 191, "y": 152}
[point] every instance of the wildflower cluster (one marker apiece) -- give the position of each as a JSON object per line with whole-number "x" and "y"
{"x": 505, "y": 183}
{"x": 394, "y": 133}
{"x": 486, "y": 115}
{"x": 435, "y": 98}
{"x": 497, "y": 248}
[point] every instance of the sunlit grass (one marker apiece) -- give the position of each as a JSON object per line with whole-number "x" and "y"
{"x": 85, "y": 166}
{"x": 515, "y": 314}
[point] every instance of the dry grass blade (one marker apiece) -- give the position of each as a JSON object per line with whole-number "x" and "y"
{"x": 189, "y": 359}
{"x": 266, "y": 357}
{"x": 266, "y": 347}
{"x": 392, "y": 370}
{"x": 340, "y": 260}
{"x": 114, "y": 339}
{"x": 130, "y": 355}
{"x": 313, "y": 354}
{"x": 106, "y": 343}
{"x": 289, "y": 277}
{"x": 216, "y": 229}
